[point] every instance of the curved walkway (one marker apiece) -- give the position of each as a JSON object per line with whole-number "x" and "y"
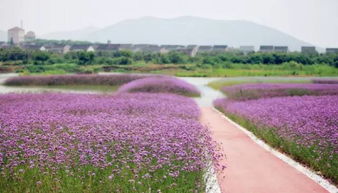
{"x": 250, "y": 168}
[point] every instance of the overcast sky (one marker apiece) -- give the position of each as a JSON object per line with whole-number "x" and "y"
{"x": 314, "y": 21}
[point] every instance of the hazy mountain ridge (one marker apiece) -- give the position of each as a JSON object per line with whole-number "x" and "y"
{"x": 80, "y": 34}
{"x": 185, "y": 30}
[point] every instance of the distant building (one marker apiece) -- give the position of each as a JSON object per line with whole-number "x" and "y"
{"x": 332, "y": 50}
{"x": 204, "y": 49}
{"x": 247, "y": 49}
{"x": 169, "y": 48}
{"x": 152, "y": 48}
{"x": 233, "y": 50}
{"x": 282, "y": 49}
{"x": 125, "y": 46}
{"x": 139, "y": 47}
{"x": 58, "y": 49}
{"x": 33, "y": 47}
{"x": 146, "y": 48}
{"x": 16, "y": 35}
{"x": 107, "y": 47}
{"x": 219, "y": 48}
{"x": 77, "y": 48}
{"x": 30, "y": 36}
{"x": 192, "y": 46}
{"x": 266, "y": 48}
{"x": 309, "y": 50}
{"x": 189, "y": 50}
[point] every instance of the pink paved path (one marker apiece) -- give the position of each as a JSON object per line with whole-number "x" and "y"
{"x": 250, "y": 168}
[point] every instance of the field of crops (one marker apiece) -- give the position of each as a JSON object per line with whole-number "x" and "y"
{"x": 127, "y": 142}
{"x": 305, "y": 127}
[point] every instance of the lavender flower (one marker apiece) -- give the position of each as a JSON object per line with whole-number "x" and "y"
{"x": 146, "y": 131}
{"x": 161, "y": 84}
{"x": 267, "y": 90}
{"x": 325, "y": 81}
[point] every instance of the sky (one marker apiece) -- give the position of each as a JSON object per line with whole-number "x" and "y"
{"x": 313, "y": 21}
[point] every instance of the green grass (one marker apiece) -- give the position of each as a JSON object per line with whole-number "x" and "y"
{"x": 218, "y": 84}
{"x": 97, "y": 88}
{"x": 88, "y": 179}
{"x": 100, "y": 88}
{"x": 190, "y": 70}
{"x": 324, "y": 164}
{"x": 236, "y": 70}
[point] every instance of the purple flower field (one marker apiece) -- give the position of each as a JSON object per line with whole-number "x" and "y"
{"x": 267, "y": 90}
{"x": 308, "y": 120}
{"x": 129, "y": 142}
{"x": 325, "y": 81}
{"x": 86, "y": 79}
{"x": 160, "y": 85}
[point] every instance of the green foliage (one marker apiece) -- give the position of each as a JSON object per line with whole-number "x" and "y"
{"x": 13, "y": 54}
{"x": 42, "y": 42}
{"x": 177, "y": 58}
{"x": 206, "y": 64}
{"x": 40, "y": 57}
{"x": 92, "y": 179}
{"x": 218, "y": 84}
{"x": 85, "y": 58}
{"x": 50, "y": 69}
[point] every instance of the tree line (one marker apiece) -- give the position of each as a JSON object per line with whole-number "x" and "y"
{"x": 21, "y": 57}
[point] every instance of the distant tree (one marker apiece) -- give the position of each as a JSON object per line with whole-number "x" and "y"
{"x": 177, "y": 58}
{"x": 255, "y": 59}
{"x": 85, "y": 58}
{"x": 125, "y": 61}
{"x": 40, "y": 57}
{"x": 335, "y": 61}
{"x": 268, "y": 58}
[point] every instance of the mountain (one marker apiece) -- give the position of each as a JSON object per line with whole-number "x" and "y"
{"x": 186, "y": 30}
{"x": 80, "y": 34}
{"x": 3, "y": 36}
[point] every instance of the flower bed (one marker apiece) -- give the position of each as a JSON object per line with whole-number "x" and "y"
{"x": 267, "y": 90}
{"x": 57, "y": 80}
{"x": 99, "y": 143}
{"x": 325, "y": 81}
{"x": 160, "y": 85}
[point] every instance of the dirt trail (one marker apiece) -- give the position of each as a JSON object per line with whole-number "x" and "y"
{"x": 250, "y": 168}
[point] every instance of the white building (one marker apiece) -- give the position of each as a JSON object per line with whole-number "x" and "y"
{"x": 16, "y": 35}
{"x": 30, "y": 36}
{"x": 247, "y": 49}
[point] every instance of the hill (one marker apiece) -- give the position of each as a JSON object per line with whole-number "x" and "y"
{"x": 186, "y": 30}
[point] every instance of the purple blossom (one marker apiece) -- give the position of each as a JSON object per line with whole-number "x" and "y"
{"x": 161, "y": 84}
{"x": 325, "y": 81}
{"x": 150, "y": 131}
{"x": 267, "y": 90}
